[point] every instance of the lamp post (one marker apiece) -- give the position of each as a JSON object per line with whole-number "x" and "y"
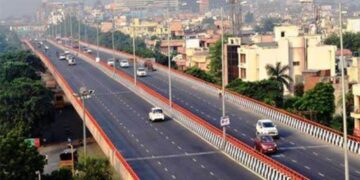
{"x": 134, "y": 54}
{"x": 113, "y": 40}
{"x": 39, "y": 174}
{"x": 84, "y": 94}
{"x": 169, "y": 58}
{"x": 72, "y": 157}
{"x": 97, "y": 42}
{"x": 346, "y": 163}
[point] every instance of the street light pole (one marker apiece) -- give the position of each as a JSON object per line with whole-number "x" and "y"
{"x": 169, "y": 59}
{"x": 79, "y": 28}
{"x": 84, "y": 123}
{"x": 113, "y": 39}
{"x": 97, "y": 42}
{"x": 134, "y": 54}
{"x": 223, "y": 74}
{"x": 71, "y": 31}
{"x": 72, "y": 159}
{"x": 346, "y": 163}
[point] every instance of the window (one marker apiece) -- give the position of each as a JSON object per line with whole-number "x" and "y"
{"x": 243, "y": 73}
{"x": 242, "y": 58}
{"x": 282, "y": 33}
{"x": 296, "y": 63}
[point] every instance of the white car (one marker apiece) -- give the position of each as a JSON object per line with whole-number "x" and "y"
{"x": 62, "y": 57}
{"x": 46, "y": 47}
{"x": 124, "y": 63}
{"x": 141, "y": 72}
{"x": 156, "y": 114}
{"x": 71, "y": 62}
{"x": 266, "y": 126}
{"x": 89, "y": 51}
{"x": 66, "y": 52}
{"x": 111, "y": 62}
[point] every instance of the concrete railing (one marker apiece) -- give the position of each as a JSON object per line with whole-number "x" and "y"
{"x": 115, "y": 158}
{"x": 245, "y": 155}
{"x": 299, "y": 123}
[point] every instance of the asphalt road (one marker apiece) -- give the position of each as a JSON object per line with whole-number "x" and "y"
{"x": 301, "y": 152}
{"x": 161, "y": 150}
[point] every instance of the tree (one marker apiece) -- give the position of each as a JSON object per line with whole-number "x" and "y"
{"x": 299, "y": 89}
{"x": 267, "y": 25}
{"x": 318, "y": 102}
{"x": 18, "y": 160}
{"x": 351, "y": 41}
{"x": 60, "y": 174}
{"x": 215, "y": 56}
{"x": 268, "y": 91}
{"x": 93, "y": 168}
{"x": 196, "y": 72}
{"x": 278, "y": 73}
{"x": 249, "y": 18}
{"x": 26, "y": 101}
{"x": 12, "y": 70}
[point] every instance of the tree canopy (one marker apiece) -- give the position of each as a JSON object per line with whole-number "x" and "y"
{"x": 196, "y": 72}
{"x": 351, "y": 41}
{"x": 279, "y": 74}
{"x": 18, "y": 160}
{"x": 267, "y": 25}
{"x": 93, "y": 168}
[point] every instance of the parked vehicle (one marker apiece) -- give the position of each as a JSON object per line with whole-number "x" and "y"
{"x": 62, "y": 56}
{"x": 265, "y": 144}
{"x": 156, "y": 114}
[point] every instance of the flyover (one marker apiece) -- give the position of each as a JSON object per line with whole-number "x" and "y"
{"x": 307, "y": 147}
{"x": 147, "y": 150}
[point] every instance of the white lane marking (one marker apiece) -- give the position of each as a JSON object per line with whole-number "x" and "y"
{"x": 315, "y": 153}
{"x": 173, "y": 176}
{"x": 305, "y": 147}
{"x": 172, "y": 142}
{"x": 142, "y": 145}
{"x": 294, "y": 161}
{"x": 179, "y": 147}
{"x": 235, "y": 130}
{"x": 147, "y": 150}
{"x": 328, "y": 159}
{"x": 292, "y": 143}
{"x": 211, "y": 173}
{"x": 165, "y": 169}
{"x": 159, "y": 163}
{"x": 307, "y": 167}
{"x": 194, "y": 159}
{"x": 173, "y": 156}
{"x": 202, "y": 166}
{"x": 243, "y": 134}
{"x": 167, "y": 137}
{"x": 358, "y": 172}
{"x": 321, "y": 174}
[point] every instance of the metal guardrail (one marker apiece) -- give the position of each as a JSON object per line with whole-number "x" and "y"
{"x": 240, "y": 152}
{"x": 304, "y": 125}
{"x": 116, "y": 159}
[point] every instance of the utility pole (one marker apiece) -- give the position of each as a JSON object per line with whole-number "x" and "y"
{"x": 169, "y": 57}
{"x": 134, "y": 54}
{"x": 346, "y": 163}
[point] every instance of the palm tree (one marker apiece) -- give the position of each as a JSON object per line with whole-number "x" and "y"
{"x": 278, "y": 73}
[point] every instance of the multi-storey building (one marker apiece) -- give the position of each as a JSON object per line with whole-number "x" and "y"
{"x": 145, "y": 4}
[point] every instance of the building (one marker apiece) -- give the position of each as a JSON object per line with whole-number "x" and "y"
{"x": 353, "y": 25}
{"x": 148, "y": 4}
{"x": 356, "y": 113}
{"x": 291, "y": 49}
{"x": 232, "y": 60}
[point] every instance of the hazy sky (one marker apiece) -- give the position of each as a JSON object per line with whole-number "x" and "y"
{"x": 17, "y": 7}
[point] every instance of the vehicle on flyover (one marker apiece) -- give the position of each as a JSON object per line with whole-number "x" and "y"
{"x": 266, "y": 126}
{"x": 156, "y": 114}
{"x": 265, "y": 144}
{"x": 141, "y": 72}
{"x": 124, "y": 63}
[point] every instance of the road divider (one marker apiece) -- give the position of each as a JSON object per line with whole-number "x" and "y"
{"x": 245, "y": 155}
{"x": 297, "y": 122}
{"x": 115, "y": 158}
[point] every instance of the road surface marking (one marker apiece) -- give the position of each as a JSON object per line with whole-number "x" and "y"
{"x": 202, "y": 166}
{"x": 165, "y": 169}
{"x": 294, "y": 161}
{"x": 315, "y": 153}
{"x": 292, "y": 143}
{"x": 211, "y": 173}
{"x": 235, "y": 130}
{"x": 328, "y": 159}
{"x": 305, "y": 147}
{"x": 159, "y": 163}
{"x": 167, "y": 137}
{"x": 147, "y": 150}
{"x": 307, "y": 167}
{"x": 173, "y": 176}
{"x": 142, "y": 145}
{"x": 172, "y": 142}
{"x": 179, "y": 148}
{"x": 321, "y": 174}
{"x": 358, "y": 172}
{"x": 243, "y": 134}
{"x": 173, "y": 156}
